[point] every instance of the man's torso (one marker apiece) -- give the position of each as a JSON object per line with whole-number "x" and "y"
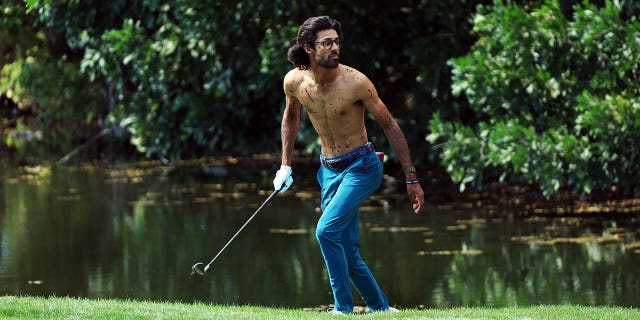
{"x": 336, "y": 110}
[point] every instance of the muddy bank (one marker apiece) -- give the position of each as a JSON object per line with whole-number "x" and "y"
{"x": 441, "y": 192}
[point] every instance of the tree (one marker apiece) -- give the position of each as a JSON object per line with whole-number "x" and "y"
{"x": 188, "y": 78}
{"x": 556, "y": 96}
{"x": 40, "y": 78}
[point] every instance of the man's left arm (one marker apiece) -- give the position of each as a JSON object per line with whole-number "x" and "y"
{"x": 398, "y": 142}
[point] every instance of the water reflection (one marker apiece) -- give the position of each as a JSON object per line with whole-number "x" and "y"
{"x": 135, "y": 231}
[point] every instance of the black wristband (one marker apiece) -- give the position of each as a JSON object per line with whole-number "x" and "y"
{"x": 414, "y": 181}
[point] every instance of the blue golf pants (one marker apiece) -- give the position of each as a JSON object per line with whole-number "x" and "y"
{"x": 343, "y": 191}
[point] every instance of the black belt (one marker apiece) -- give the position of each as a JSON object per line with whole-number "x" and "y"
{"x": 343, "y": 161}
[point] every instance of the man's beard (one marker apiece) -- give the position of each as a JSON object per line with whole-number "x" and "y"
{"x": 329, "y": 63}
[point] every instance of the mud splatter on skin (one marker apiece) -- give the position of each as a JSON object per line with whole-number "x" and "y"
{"x": 307, "y": 91}
{"x": 345, "y": 148}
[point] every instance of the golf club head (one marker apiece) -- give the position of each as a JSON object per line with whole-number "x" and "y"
{"x": 198, "y": 269}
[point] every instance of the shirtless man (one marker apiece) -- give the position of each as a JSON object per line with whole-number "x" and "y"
{"x": 336, "y": 97}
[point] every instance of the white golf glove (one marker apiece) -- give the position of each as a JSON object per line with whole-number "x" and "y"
{"x": 283, "y": 179}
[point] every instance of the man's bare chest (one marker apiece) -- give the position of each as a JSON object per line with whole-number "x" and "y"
{"x": 333, "y": 102}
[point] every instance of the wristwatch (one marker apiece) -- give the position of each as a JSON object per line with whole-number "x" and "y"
{"x": 409, "y": 169}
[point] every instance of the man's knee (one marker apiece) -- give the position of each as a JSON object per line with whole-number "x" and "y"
{"x": 325, "y": 234}
{"x": 321, "y": 233}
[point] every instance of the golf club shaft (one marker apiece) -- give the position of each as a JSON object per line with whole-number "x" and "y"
{"x": 273, "y": 194}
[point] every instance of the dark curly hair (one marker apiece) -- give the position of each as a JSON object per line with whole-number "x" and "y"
{"x": 307, "y": 35}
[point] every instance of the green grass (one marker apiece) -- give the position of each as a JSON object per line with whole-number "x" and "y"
{"x": 12, "y": 307}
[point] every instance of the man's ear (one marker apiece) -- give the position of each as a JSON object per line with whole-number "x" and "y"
{"x": 307, "y": 48}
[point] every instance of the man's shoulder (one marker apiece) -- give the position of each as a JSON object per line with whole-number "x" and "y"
{"x": 353, "y": 74}
{"x": 294, "y": 74}
{"x": 349, "y": 69}
{"x": 292, "y": 81}
{"x": 294, "y": 77}
{"x": 355, "y": 77}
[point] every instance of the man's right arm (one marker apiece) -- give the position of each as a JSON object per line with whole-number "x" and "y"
{"x": 289, "y": 130}
{"x": 290, "y": 122}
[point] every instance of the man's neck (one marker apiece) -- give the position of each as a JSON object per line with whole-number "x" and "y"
{"x": 324, "y": 76}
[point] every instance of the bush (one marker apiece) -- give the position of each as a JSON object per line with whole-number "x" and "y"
{"x": 556, "y": 97}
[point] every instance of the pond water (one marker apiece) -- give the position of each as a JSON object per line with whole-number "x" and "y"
{"x": 134, "y": 231}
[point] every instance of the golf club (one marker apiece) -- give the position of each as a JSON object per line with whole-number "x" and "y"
{"x": 200, "y": 269}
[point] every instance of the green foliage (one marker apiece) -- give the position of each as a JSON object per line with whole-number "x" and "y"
{"x": 556, "y": 98}
{"x": 43, "y": 80}
{"x": 187, "y": 78}
{"x": 190, "y": 76}
{"x": 56, "y": 91}
{"x": 612, "y": 125}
